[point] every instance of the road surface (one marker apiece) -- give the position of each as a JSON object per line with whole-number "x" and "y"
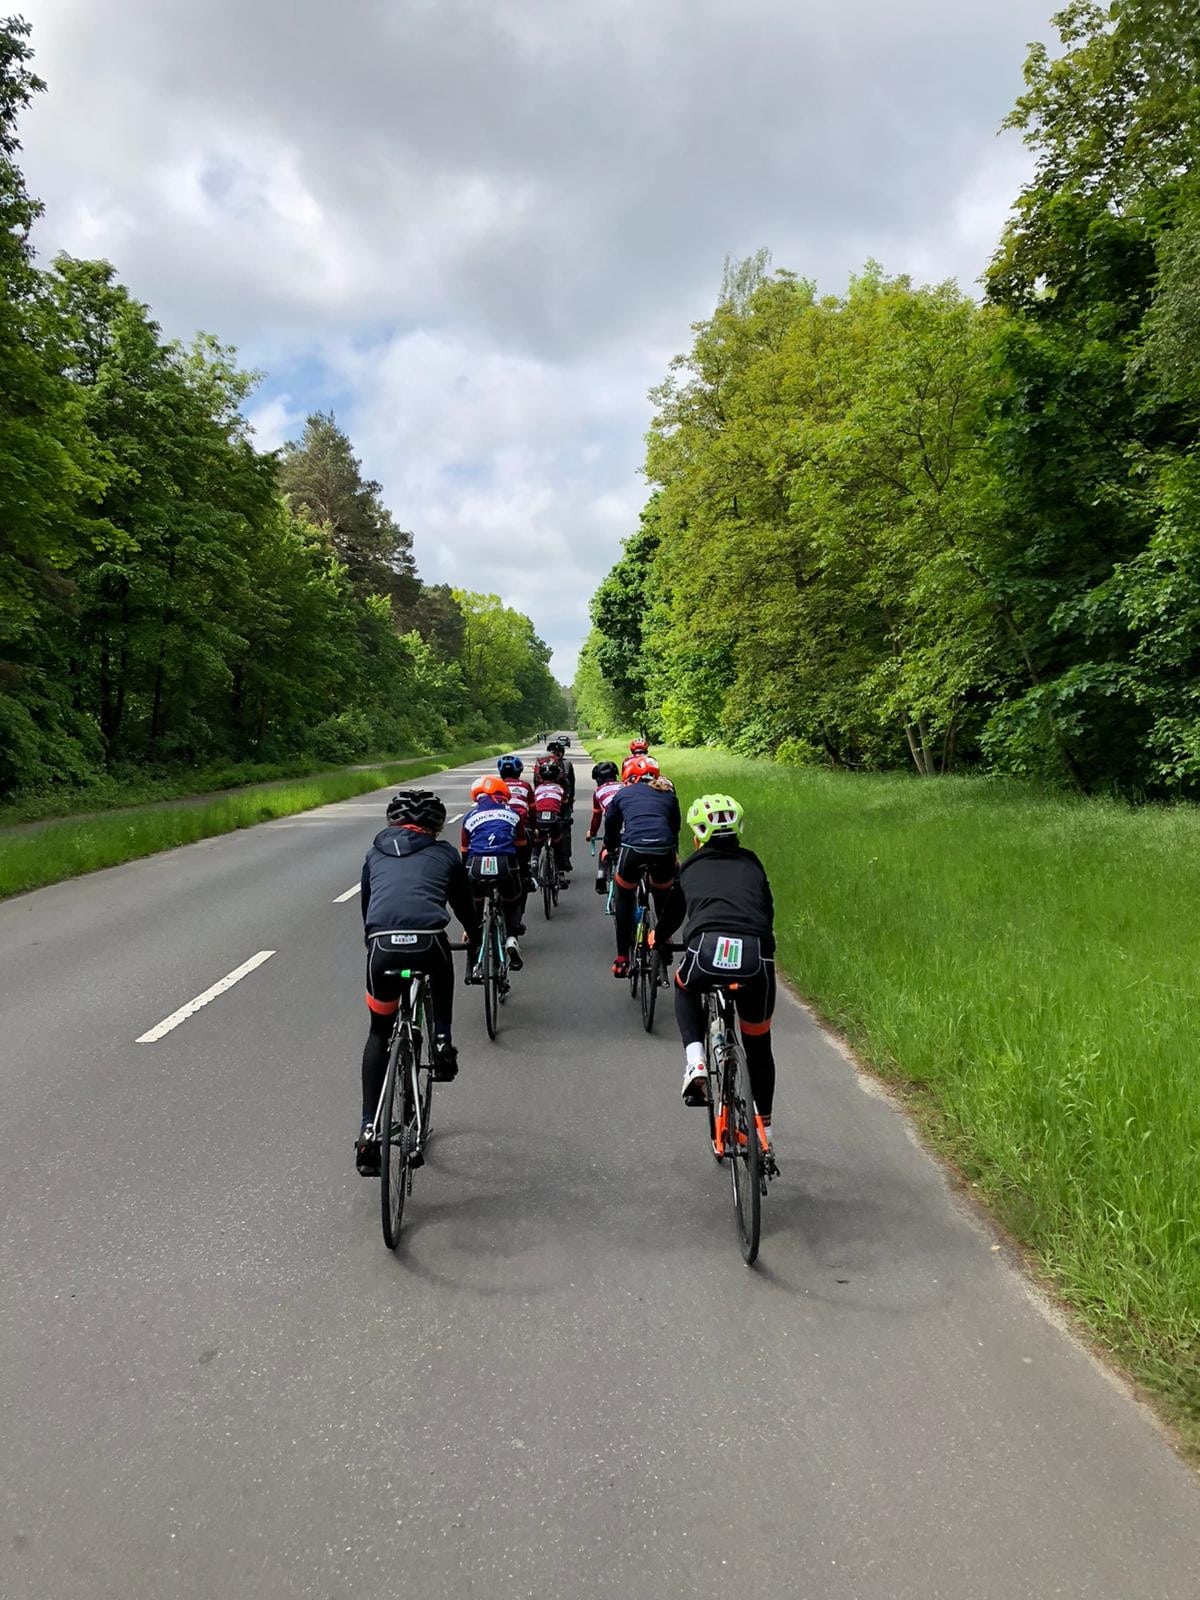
{"x": 217, "y": 1383}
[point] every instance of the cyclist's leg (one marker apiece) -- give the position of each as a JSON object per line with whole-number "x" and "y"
{"x": 662, "y": 879}
{"x": 567, "y": 822}
{"x": 438, "y": 962}
{"x": 512, "y": 896}
{"x": 755, "y": 1000}
{"x": 626, "y": 877}
{"x": 561, "y": 853}
{"x": 690, "y": 988}
{"x": 524, "y": 859}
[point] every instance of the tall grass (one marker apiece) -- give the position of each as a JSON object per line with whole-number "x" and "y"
{"x": 58, "y": 850}
{"x": 1030, "y": 966}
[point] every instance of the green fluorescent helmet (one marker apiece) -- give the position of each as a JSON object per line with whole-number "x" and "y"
{"x": 712, "y": 814}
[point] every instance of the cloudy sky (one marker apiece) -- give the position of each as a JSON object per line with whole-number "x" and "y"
{"x": 479, "y": 229}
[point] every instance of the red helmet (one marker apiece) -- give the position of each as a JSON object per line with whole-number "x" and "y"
{"x": 492, "y": 785}
{"x": 638, "y": 747}
{"x": 639, "y": 767}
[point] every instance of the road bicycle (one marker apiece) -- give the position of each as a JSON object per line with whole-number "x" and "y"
{"x": 610, "y": 890}
{"x": 545, "y": 872}
{"x": 402, "y": 1118}
{"x": 647, "y": 974}
{"x": 735, "y": 1130}
{"x": 493, "y": 952}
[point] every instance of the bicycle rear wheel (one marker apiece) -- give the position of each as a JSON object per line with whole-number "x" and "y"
{"x": 394, "y": 1143}
{"x": 649, "y": 961}
{"x": 491, "y": 972}
{"x": 546, "y": 880}
{"x": 744, "y": 1162}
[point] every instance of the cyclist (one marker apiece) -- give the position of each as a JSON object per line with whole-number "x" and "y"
{"x": 724, "y": 902}
{"x": 520, "y": 798}
{"x": 493, "y": 834}
{"x": 637, "y": 748}
{"x": 411, "y": 881}
{"x": 549, "y": 808}
{"x": 604, "y": 776}
{"x": 641, "y": 829}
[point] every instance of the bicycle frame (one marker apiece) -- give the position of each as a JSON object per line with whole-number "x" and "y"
{"x": 416, "y": 1005}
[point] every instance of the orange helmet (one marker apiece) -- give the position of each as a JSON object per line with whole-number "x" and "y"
{"x": 492, "y": 785}
{"x": 639, "y": 767}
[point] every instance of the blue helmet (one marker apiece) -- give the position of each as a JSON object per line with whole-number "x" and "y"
{"x": 510, "y": 766}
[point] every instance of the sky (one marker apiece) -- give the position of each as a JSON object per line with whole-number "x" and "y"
{"x": 478, "y": 230}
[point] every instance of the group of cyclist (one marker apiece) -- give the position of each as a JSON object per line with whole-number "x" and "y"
{"x": 718, "y": 901}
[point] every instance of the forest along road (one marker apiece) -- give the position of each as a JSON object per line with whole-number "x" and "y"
{"x": 565, "y": 1384}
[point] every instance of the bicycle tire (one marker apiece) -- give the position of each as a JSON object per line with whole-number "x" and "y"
{"x": 745, "y": 1176}
{"x": 713, "y": 1045}
{"x": 491, "y": 972}
{"x": 635, "y": 971}
{"x": 394, "y": 1152}
{"x": 545, "y": 873}
{"x": 650, "y": 969}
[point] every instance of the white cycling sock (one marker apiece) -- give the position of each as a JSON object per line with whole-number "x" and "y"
{"x": 695, "y": 1055}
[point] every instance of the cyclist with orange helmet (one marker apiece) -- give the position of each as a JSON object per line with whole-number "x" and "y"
{"x": 641, "y": 831}
{"x": 493, "y": 834}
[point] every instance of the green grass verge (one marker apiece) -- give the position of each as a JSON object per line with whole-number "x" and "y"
{"x": 150, "y": 786}
{"x": 65, "y": 849}
{"x": 1028, "y": 967}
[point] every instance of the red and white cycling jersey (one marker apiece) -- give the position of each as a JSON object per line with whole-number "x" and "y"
{"x": 600, "y": 798}
{"x": 520, "y": 794}
{"x": 548, "y": 802}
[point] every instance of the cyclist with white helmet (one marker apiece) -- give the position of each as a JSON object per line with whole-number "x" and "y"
{"x": 723, "y": 901}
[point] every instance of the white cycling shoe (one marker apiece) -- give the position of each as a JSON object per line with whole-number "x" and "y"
{"x": 695, "y": 1084}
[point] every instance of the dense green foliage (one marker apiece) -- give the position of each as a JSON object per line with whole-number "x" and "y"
{"x": 1026, "y": 963}
{"x": 170, "y": 596}
{"x": 899, "y": 528}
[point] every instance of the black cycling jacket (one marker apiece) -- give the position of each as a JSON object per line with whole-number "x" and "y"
{"x": 721, "y": 889}
{"x": 409, "y": 880}
{"x": 644, "y": 817}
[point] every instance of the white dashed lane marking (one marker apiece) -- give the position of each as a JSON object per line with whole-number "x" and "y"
{"x": 152, "y": 1035}
{"x": 349, "y": 894}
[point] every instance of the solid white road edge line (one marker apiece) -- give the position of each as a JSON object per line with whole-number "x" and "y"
{"x": 189, "y": 1010}
{"x": 349, "y": 894}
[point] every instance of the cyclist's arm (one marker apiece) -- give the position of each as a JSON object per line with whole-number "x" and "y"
{"x": 464, "y": 843}
{"x": 597, "y": 818}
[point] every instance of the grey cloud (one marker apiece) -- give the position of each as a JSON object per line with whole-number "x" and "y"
{"x": 543, "y": 184}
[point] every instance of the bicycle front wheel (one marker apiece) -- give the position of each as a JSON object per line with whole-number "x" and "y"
{"x": 744, "y": 1162}
{"x": 394, "y": 1147}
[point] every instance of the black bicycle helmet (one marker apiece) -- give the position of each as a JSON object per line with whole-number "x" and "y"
{"x": 551, "y": 771}
{"x": 421, "y": 808}
{"x": 604, "y": 772}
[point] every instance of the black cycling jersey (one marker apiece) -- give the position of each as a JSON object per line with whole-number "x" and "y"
{"x": 410, "y": 879}
{"x": 722, "y": 888}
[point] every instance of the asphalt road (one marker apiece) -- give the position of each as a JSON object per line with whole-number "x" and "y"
{"x": 217, "y": 1383}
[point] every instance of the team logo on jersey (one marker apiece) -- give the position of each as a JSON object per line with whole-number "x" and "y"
{"x": 728, "y": 952}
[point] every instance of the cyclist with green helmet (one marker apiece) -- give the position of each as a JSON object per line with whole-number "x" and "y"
{"x": 723, "y": 902}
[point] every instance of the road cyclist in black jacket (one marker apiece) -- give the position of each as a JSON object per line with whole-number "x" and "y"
{"x": 411, "y": 881}
{"x": 723, "y": 901}
{"x": 641, "y": 829}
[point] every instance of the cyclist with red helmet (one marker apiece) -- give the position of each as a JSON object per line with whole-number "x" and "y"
{"x": 641, "y": 831}
{"x": 492, "y": 835}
